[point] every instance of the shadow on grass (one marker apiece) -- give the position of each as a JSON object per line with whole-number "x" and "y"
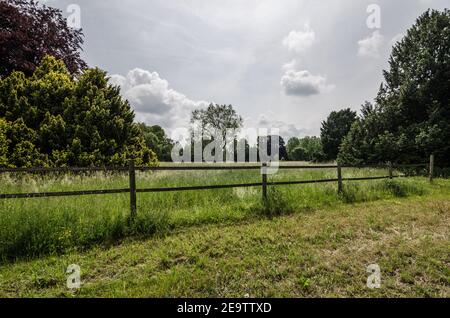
{"x": 353, "y": 193}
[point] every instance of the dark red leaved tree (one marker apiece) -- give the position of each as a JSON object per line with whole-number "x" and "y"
{"x": 29, "y": 31}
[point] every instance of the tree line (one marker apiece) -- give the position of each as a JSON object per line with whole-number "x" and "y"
{"x": 56, "y": 111}
{"x": 409, "y": 118}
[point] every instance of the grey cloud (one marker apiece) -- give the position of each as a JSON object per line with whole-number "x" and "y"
{"x": 267, "y": 121}
{"x": 303, "y": 83}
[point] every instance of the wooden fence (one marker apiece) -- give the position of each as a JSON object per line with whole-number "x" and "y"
{"x": 132, "y": 190}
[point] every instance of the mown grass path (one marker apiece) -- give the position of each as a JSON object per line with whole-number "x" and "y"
{"x": 319, "y": 253}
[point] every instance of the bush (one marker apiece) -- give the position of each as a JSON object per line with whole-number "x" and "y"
{"x": 442, "y": 172}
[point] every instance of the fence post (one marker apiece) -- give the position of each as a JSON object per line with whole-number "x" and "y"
{"x": 431, "y": 167}
{"x": 391, "y": 175}
{"x": 132, "y": 176}
{"x": 339, "y": 176}
{"x": 264, "y": 181}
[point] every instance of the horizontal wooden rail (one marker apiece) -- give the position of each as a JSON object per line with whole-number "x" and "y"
{"x": 412, "y": 165}
{"x": 199, "y": 167}
{"x": 208, "y": 187}
{"x": 231, "y": 167}
{"x": 369, "y": 178}
{"x": 327, "y": 180}
{"x": 158, "y": 168}
{"x": 71, "y": 169}
{"x": 176, "y": 168}
{"x": 300, "y": 182}
{"x": 132, "y": 190}
{"x": 168, "y": 189}
{"x": 60, "y": 194}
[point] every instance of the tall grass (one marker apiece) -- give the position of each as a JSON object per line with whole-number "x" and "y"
{"x": 36, "y": 226}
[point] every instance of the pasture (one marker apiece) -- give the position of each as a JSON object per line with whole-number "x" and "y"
{"x": 312, "y": 221}
{"x": 36, "y": 226}
{"x": 320, "y": 249}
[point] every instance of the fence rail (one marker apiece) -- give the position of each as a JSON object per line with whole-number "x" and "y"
{"x": 132, "y": 190}
{"x": 187, "y": 168}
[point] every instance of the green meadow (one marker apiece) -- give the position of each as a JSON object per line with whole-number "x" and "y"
{"x": 218, "y": 244}
{"x": 34, "y": 227}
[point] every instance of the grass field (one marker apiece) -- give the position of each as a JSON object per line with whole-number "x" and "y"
{"x": 307, "y": 241}
{"x": 39, "y": 226}
{"x": 315, "y": 253}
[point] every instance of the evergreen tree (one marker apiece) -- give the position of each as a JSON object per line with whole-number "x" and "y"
{"x": 53, "y": 118}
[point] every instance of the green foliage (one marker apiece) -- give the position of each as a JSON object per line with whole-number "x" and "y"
{"x": 214, "y": 122}
{"x": 334, "y": 129}
{"x": 305, "y": 149}
{"x": 4, "y": 143}
{"x": 396, "y": 188}
{"x": 55, "y": 119}
{"x": 411, "y": 117}
{"x": 298, "y": 154}
{"x": 156, "y": 139}
{"x": 216, "y": 119}
{"x": 280, "y": 147}
{"x": 29, "y": 30}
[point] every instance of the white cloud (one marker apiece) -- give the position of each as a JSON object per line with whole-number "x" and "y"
{"x": 303, "y": 83}
{"x": 370, "y": 46}
{"x": 292, "y": 65}
{"x": 299, "y": 41}
{"x": 266, "y": 121}
{"x": 153, "y": 101}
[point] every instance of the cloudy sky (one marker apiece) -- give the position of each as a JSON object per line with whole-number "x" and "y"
{"x": 283, "y": 64}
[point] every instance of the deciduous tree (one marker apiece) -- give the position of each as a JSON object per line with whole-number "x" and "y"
{"x": 29, "y": 31}
{"x": 334, "y": 129}
{"x": 157, "y": 140}
{"x": 411, "y": 117}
